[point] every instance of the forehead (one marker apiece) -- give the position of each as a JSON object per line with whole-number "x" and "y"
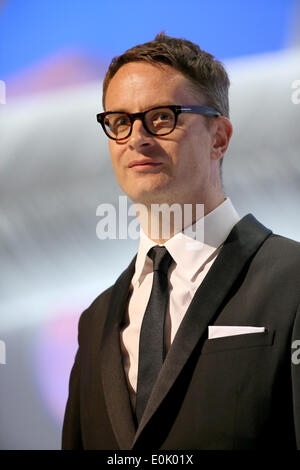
{"x": 138, "y": 85}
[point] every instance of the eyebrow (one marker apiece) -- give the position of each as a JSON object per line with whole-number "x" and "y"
{"x": 146, "y": 109}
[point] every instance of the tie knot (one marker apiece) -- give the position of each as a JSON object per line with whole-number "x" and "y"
{"x": 161, "y": 258}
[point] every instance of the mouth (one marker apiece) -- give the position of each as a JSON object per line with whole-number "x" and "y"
{"x": 143, "y": 165}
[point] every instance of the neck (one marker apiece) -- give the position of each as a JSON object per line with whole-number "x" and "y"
{"x": 160, "y": 222}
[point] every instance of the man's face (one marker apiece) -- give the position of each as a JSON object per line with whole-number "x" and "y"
{"x": 181, "y": 169}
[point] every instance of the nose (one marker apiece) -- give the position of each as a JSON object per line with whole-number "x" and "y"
{"x": 139, "y": 136}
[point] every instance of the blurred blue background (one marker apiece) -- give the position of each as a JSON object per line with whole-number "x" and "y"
{"x": 55, "y": 168}
{"x": 33, "y": 29}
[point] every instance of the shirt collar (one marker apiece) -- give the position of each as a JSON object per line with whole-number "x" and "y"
{"x": 188, "y": 249}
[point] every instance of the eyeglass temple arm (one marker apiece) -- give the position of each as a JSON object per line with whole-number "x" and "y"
{"x": 205, "y": 110}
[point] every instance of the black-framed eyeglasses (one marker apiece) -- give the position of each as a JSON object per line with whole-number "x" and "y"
{"x": 158, "y": 121}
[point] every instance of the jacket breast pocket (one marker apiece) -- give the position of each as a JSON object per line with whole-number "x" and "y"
{"x": 248, "y": 340}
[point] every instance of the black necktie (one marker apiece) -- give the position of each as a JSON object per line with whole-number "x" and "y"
{"x": 151, "y": 345}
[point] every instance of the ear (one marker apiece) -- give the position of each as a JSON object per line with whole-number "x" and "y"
{"x": 221, "y": 135}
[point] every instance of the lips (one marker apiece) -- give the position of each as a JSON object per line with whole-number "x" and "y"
{"x": 143, "y": 162}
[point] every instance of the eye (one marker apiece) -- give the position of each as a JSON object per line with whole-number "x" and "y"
{"x": 160, "y": 119}
{"x": 162, "y": 116}
{"x": 121, "y": 121}
{"x": 117, "y": 122}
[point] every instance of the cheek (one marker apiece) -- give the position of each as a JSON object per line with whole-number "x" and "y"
{"x": 112, "y": 147}
{"x": 193, "y": 155}
{"x": 114, "y": 155}
{"x": 185, "y": 150}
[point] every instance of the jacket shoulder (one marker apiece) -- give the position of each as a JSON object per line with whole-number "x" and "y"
{"x": 282, "y": 247}
{"x": 281, "y": 257}
{"x": 93, "y": 317}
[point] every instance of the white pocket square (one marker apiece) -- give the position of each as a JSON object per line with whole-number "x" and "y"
{"x": 221, "y": 331}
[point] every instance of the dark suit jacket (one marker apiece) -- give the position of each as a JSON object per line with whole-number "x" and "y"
{"x": 238, "y": 392}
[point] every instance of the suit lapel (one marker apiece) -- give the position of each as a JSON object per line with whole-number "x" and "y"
{"x": 113, "y": 375}
{"x": 243, "y": 241}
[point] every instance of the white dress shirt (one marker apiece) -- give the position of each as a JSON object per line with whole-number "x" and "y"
{"x": 191, "y": 262}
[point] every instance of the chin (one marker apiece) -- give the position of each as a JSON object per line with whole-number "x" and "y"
{"x": 151, "y": 197}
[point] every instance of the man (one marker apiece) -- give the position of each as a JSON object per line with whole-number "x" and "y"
{"x": 195, "y": 345}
